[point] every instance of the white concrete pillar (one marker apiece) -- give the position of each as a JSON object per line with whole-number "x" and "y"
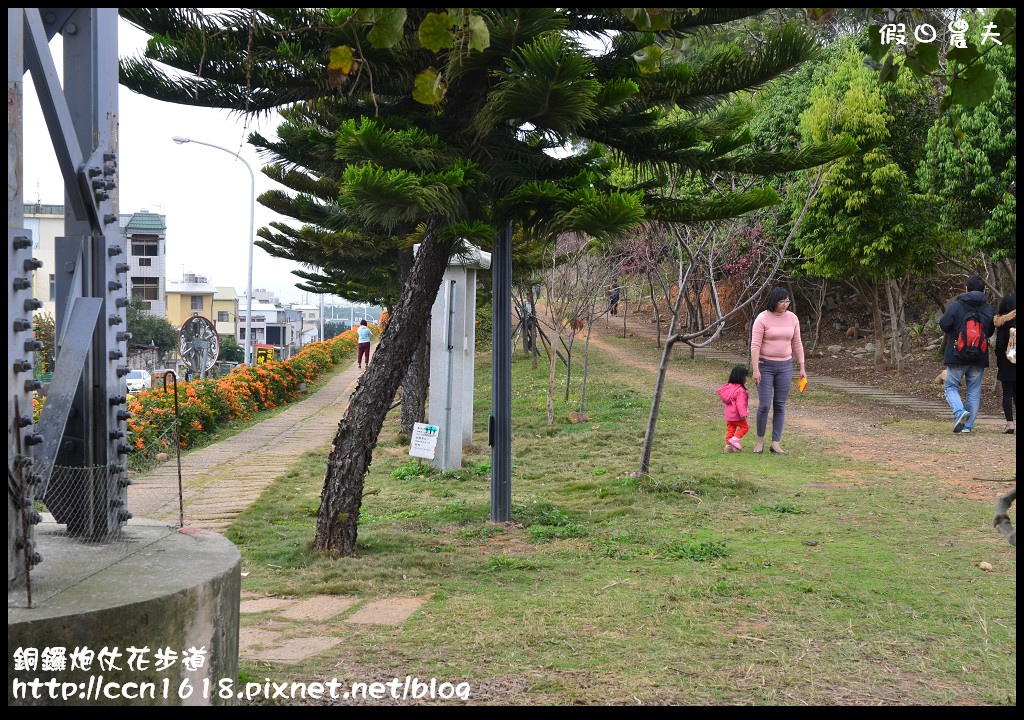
{"x": 452, "y": 356}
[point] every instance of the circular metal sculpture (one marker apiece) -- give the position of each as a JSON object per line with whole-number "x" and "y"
{"x": 198, "y": 344}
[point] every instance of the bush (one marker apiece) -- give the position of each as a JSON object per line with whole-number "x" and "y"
{"x": 204, "y": 405}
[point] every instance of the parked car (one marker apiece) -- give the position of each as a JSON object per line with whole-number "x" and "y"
{"x": 138, "y": 380}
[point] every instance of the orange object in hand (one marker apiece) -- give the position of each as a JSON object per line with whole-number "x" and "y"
{"x": 801, "y": 384}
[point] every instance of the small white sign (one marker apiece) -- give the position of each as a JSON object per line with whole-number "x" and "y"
{"x": 424, "y": 440}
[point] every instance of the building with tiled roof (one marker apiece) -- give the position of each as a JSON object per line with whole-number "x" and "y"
{"x": 146, "y": 244}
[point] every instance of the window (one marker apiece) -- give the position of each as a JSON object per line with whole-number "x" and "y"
{"x": 53, "y": 286}
{"x": 241, "y": 333}
{"x": 148, "y": 247}
{"x": 222, "y": 316}
{"x": 145, "y": 262}
{"x": 146, "y": 288}
{"x": 197, "y": 302}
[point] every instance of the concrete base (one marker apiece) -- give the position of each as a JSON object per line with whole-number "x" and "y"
{"x": 176, "y": 596}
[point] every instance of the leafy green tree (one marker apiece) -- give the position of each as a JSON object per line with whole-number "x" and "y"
{"x": 866, "y": 225}
{"x": 962, "y": 76}
{"x": 346, "y": 256}
{"x": 444, "y": 135}
{"x": 147, "y": 329}
{"x": 970, "y": 170}
{"x": 334, "y": 328}
{"x": 230, "y": 350}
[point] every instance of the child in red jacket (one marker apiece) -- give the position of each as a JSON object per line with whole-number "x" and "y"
{"x": 734, "y": 395}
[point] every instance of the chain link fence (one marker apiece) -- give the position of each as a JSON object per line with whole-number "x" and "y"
{"x": 70, "y": 544}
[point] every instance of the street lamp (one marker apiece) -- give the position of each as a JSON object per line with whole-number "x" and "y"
{"x": 252, "y": 219}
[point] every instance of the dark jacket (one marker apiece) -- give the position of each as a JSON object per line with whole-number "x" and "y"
{"x": 951, "y": 320}
{"x": 1007, "y": 370}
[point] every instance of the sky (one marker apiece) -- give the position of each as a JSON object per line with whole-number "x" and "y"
{"x": 203, "y": 191}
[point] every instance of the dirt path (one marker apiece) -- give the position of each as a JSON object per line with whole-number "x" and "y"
{"x": 870, "y": 431}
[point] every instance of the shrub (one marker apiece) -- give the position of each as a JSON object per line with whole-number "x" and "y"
{"x": 204, "y": 405}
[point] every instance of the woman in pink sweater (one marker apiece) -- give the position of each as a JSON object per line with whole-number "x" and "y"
{"x": 774, "y": 342}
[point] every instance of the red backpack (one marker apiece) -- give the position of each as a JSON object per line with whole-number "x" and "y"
{"x": 971, "y": 343}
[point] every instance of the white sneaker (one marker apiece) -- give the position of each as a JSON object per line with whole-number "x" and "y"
{"x": 961, "y": 420}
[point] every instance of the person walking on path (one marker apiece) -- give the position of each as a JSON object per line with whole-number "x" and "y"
{"x": 364, "y": 343}
{"x": 774, "y": 342}
{"x": 736, "y": 399}
{"x": 1006, "y": 371}
{"x": 969, "y": 322}
{"x": 613, "y": 302}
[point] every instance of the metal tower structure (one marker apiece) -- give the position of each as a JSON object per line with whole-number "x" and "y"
{"x": 83, "y": 423}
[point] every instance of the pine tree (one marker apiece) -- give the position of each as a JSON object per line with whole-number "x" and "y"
{"x": 443, "y": 127}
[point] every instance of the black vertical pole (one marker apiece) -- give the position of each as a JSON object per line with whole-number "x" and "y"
{"x": 500, "y": 425}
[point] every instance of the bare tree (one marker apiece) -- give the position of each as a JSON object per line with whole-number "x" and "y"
{"x": 698, "y": 260}
{"x": 575, "y": 280}
{"x": 599, "y": 272}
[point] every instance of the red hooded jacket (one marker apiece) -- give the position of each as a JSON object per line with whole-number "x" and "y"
{"x": 736, "y": 399}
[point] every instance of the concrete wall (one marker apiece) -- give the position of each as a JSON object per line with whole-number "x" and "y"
{"x": 179, "y": 590}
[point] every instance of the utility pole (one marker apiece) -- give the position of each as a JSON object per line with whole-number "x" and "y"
{"x": 500, "y": 424}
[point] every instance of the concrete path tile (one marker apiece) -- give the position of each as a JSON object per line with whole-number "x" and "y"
{"x": 250, "y": 638}
{"x": 389, "y": 611}
{"x": 265, "y": 604}
{"x": 321, "y": 607}
{"x": 293, "y": 650}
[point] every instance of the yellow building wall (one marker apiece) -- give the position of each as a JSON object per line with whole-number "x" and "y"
{"x": 228, "y": 305}
{"x": 179, "y": 308}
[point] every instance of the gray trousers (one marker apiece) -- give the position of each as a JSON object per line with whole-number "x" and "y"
{"x": 772, "y": 391}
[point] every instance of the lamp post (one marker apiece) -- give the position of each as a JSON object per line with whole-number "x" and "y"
{"x": 252, "y": 219}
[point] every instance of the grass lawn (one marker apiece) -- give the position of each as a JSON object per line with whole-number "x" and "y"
{"x": 718, "y": 579}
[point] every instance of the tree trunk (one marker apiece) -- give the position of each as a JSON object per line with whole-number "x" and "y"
{"x": 876, "y": 318}
{"x": 352, "y": 454}
{"x": 659, "y": 386}
{"x": 897, "y": 358}
{"x": 416, "y": 380}
{"x": 415, "y": 383}
{"x": 654, "y": 305}
{"x": 1010, "y": 268}
{"x": 586, "y": 360}
{"x": 552, "y": 366}
{"x": 820, "y": 314}
{"x": 568, "y": 360}
{"x": 534, "y": 351}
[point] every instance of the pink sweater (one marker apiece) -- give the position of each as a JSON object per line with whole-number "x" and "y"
{"x": 777, "y": 336}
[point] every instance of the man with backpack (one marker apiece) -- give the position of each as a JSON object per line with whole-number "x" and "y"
{"x": 969, "y": 322}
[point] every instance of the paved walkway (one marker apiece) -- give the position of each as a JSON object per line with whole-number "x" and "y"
{"x": 640, "y": 327}
{"x": 224, "y": 478}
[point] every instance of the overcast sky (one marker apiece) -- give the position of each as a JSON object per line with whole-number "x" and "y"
{"x": 204, "y": 192}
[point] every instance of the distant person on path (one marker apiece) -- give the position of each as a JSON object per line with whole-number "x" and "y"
{"x": 736, "y": 398}
{"x": 774, "y": 342}
{"x": 613, "y": 302}
{"x": 969, "y": 322}
{"x": 364, "y": 343}
{"x": 188, "y": 374}
{"x": 1006, "y": 371}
